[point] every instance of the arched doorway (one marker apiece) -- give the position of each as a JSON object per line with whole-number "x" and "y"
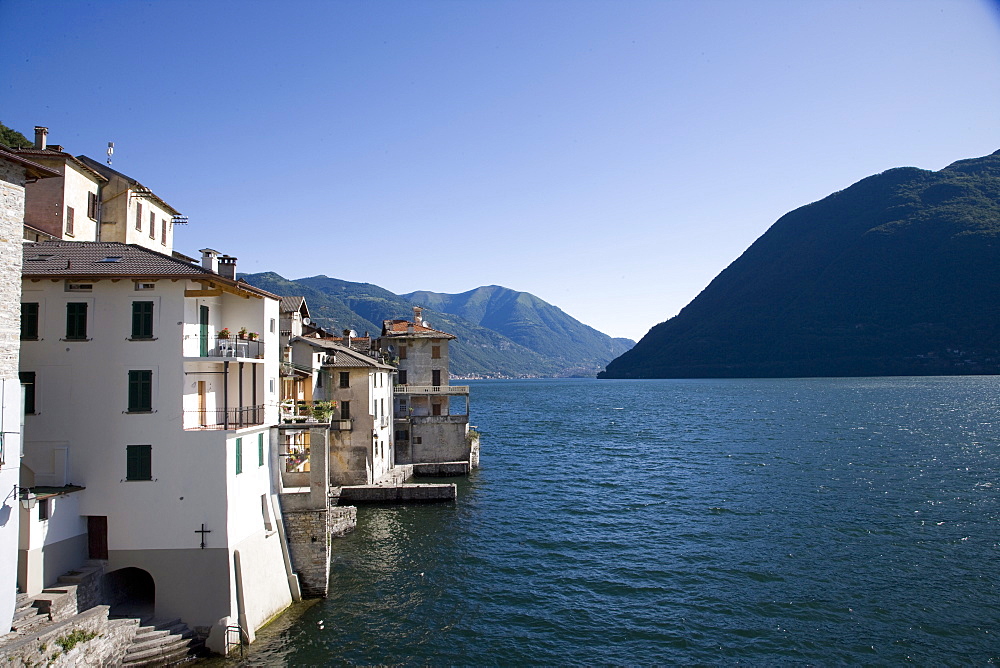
{"x": 130, "y": 592}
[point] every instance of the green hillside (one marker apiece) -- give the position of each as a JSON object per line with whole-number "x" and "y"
{"x": 478, "y": 351}
{"x": 531, "y": 322}
{"x": 898, "y": 274}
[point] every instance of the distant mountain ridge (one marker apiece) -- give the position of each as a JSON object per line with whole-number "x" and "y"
{"x": 899, "y": 274}
{"x": 511, "y": 334}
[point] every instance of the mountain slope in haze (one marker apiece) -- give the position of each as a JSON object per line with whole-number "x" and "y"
{"x": 898, "y": 274}
{"x": 478, "y": 351}
{"x": 530, "y": 321}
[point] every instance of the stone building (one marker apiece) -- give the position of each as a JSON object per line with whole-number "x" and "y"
{"x": 15, "y": 173}
{"x": 431, "y": 415}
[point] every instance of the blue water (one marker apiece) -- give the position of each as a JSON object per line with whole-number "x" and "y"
{"x": 818, "y": 521}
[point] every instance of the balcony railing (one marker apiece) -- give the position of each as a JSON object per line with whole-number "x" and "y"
{"x": 307, "y": 412}
{"x": 253, "y": 349}
{"x": 226, "y": 418}
{"x": 430, "y": 389}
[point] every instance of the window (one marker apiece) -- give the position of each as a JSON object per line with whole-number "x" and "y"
{"x": 402, "y": 352}
{"x": 402, "y": 376}
{"x": 239, "y": 456}
{"x": 79, "y": 287}
{"x": 92, "y": 205}
{"x": 140, "y": 391}
{"x": 403, "y": 435}
{"x": 163, "y": 227}
{"x": 272, "y": 325}
{"x": 28, "y": 384}
{"x": 435, "y": 352}
{"x": 144, "y": 286}
{"x": 76, "y": 320}
{"x": 142, "y": 320}
{"x": 138, "y": 462}
{"x": 260, "y": 449}
{"x": 345, "y": 410}
{"x": 69, "y": 221}
{"x": 152, "y": 224}
{"x": 29, "y": 321}
{"x": 43, "y": 509}
{"x": 345, "y": 378}
{"x": 138, "y": 216}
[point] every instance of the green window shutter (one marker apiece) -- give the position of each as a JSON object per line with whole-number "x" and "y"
{"x": 239, "y": 456}
{"x": 140, "y": 391}
{"x": 29, "y": 320}
{"x": 76, "y": 320}
{"x": 138, "y": 464}
{"x": 260, "y": 449}
{"x": 142, "y": 320}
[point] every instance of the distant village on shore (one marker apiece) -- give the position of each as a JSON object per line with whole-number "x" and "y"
{"x": 178, "y": 446}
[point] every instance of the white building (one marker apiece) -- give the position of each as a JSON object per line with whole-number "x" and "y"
{"x": 149, "y": 434}
{"x": 15, "y": 173}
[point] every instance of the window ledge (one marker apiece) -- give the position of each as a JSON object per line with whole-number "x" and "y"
{"x": 77, "y": 340}
{"x": 149, "y": 412}
{"x": 142, "y": 338}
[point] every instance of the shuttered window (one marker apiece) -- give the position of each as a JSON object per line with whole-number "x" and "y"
{"x": 163, "y": 225}
{"x": 76, "y": 320}
{"x": 92, "y": 205}
{"x": 138, "y": 215}
{"x": 142, "y": 320}
{"x": 140, "y": 391}
{"x": 239, "y": 456}
{"x": 152, "y": 225}
{"x": 260, "y": 449}
{"x": 27, "y": 379}
{"x": 138, "y": 462}
{"x": 29, "y": 321}
{"x": 69, "y": 220}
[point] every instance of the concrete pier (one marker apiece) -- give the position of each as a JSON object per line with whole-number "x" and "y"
{"x": 402, "y": 493}
{"x": 441, "y": 469}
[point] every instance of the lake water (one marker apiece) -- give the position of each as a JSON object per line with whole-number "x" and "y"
{"x": 818, "y": 521}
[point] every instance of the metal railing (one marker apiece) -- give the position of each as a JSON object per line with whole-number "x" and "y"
{"x": 430, "y": 389}
{"x": 226, "y": 418}
{"x": 249, "y": 348}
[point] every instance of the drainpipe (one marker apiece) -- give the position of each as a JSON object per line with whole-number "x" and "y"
{"x": 225, "y": 395}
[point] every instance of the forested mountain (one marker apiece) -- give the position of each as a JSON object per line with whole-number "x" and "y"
{"x": 529, "y": 321}
{"x": 898, "y": 274}
{"x": 480, "y": 350}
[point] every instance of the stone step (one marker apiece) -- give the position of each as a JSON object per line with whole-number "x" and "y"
{"x": 22, "y": 600}
{"x": 163, "y": 655}
{"x": 149, "y": 626}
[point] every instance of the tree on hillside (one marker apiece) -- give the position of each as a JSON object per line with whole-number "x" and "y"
{"x": 13, "y": 138}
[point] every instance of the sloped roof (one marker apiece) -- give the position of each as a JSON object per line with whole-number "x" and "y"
{"x": 31, "y": 168}
{"x": 294, "y": 303}
{"x": 99, "y": 259}
{"x": 106, "y": 171}
{"x": 50, "y": 154}
{"x": 409, "y": 328}
{"x": 346, "y": 357}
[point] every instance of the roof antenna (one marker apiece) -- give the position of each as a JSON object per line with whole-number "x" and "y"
{"x": 111, "y": 151}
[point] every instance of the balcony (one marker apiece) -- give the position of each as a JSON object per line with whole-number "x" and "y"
{"x": 233, "y": 348}
{"x": 225, "y": 418}
{"x": 431, "y": 389}
{"x": 308, "y": 412}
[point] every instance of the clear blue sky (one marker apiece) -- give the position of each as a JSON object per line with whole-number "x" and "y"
{"x": 611, "y": 157}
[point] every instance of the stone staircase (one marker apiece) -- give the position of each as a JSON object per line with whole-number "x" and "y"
{"x": 27, "y": 616}
{"x": 162, "y": 643}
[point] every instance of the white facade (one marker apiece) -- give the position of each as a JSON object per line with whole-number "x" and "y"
{"x": 167, "y": 429}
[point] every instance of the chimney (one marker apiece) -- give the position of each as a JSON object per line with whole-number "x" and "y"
{"x": 40, "y": 137}
{"x": 347, "y": 338}
{"x": 417, "y": 312}
{"x": 210, "y": 260}
{"x": 227, "y": 267}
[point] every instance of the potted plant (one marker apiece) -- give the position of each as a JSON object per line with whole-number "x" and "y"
{"x": 224, "y": 333}
{"x": 243, "y": 332}
{"x": 254, "y": 336}
{"x": 323, "y": 410}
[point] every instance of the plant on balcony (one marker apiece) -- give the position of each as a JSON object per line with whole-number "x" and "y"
{"x": 254, "y": 336}
{"x": 243, "y": 332}
{"x": 224, "y": 333}
{"x": 323, "y": 410}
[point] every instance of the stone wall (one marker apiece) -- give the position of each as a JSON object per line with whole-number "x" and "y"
{"x": 309, "y": 548}
{"x": 11, "y": 231}
{"x": 89, "y": 638}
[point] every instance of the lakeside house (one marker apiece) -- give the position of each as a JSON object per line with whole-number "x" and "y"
{"x": 147, "y": 432}
{"x": 431, "y": 415}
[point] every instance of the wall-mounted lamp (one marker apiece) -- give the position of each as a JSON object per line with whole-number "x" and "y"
{"x": 28, "y": 498}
